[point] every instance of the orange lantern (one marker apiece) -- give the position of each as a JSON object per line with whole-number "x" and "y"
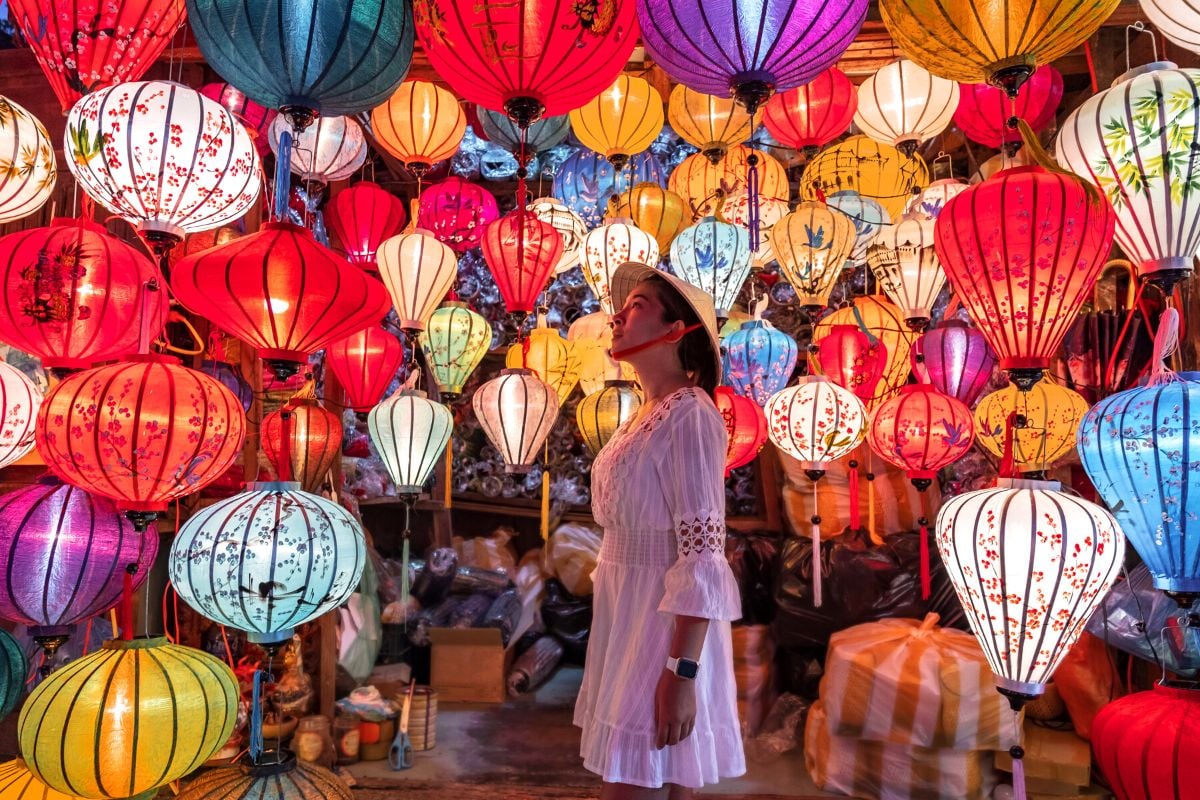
{"x": 703, "y": 184}
{"x": 521, "y": 251}
{"x": 302, "y": 439}
{"x": 364, "y": 364}
{"x": 420, "y": 124}
{"x": 746, "y": 424}
{"x": 713, "y": 124}
{"x": 655, "y": 210}
{"x": 621, "y": 121}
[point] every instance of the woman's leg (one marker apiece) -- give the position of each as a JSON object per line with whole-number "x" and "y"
{"x": 627, "y": 791}
{"x": 678, "y": 792}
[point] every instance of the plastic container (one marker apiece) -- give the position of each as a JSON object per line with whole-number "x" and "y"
{"x": 374, "y": 739}
{"x": 313, "y": 742}
{"x": 346, "y": 738}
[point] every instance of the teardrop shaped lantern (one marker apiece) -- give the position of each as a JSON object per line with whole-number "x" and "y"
{"x": 570, "y": 227}
{"x": 868, "y": 216}
{"x": 714, "y": 256}
{"x": 455, "y": 341}
{"x": 586, "y": 181}
{"x": 609, "y": 246}
{"x": 653, "y": 209}
{"x": 810, "y": 116}
{"x": 267, "y": 560}
{"x": 711, "y": 123}
{"x": 956, "y": 360}
{"x": 623, "y": 119}
{"x": 1178, "y": 21}
{"x": 873, "y": 169}
{"x": 920, "y": 431}
{"x": 410, "y": 433}
{"x": 1047, "y": 417}
{"x": 365, "y": 363}
{"x": 420, "y": 124}
{"x": 330, "y": 149}
{"x": 360, "y": 217}
{"x": 418, "y": 272}
{"x": 702, "y": 183}
{"x": 746, "y": 425}
{"x": 19, "y": 404}
{"x": 815, "y": 422}
{"x": 1023, "y": 250}
{"x": 905, "y": 263}
{"x": 599, "y": 414}
{"x": 852, "y": 358}
{"x": 521, "y": 252}
{"x": 31, "y": 170}
{"x": 275, "y": 773}
{"x": 929, "y": 202}
{"x": 903, "y": 104}
{"x": 758, "y": 360}
{"x": 881, "y": 319}
{"x": 591, "y": 336}
{"x": 552, "y": 358}
{"x": 546, "y": 133}
{"x": 456, "y": 212}
{"x": 811, "y": 244}
{"x": 1147, "y": 744}
{"x": 516, "y": 410}
{"x": 302, "y": 440}
{"x": 984, "y": 111}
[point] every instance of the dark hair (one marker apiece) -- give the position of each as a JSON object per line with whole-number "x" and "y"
{"x": 695, "y": 348}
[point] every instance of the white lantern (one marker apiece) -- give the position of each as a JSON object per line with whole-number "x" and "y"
{"x": 27, "y": 165}
{"x": 933, "y": 198}
{"x": 714, "y": 256}
{"x": 1030, "y": 564}
{"x": 811, "y": 244}
{"x": 418, "y": 271}
{"x": 609, "y": 246}
{"x": 19, "y": 404}
{"x": 770, "y": 211}
{"x": 907, "y": 268}
{"x": 516, "y": 410}
{"x": 570, "y": 227}
{"x": 330, "y": 149}
{"x": 410, "y": 431}
{"x": 816, "y": 421}
{"x": 903, "y": 104}
{"x": 1178, "y": 20}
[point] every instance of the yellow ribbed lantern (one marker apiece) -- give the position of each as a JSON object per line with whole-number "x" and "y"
{"x": 885, "y": 321}
{"x": 591, "y": 336}
{"x": 127, "y": 718}
{"x": 999, "y": 42}
{"x": 713, "y": 124}
{"x": 455, "y": 340}
{"x": 703, "y": 185}
{"x": 621, "y": 121}
{"x": 658, "y": 211}
{"x": 1048, "y": 416}
{"x": 601, "y": 413}
{"x": 420, "y": 124}
{"x": 551, "y": 357}
{"x": 873, "y": 169}
{"x": 18, "y": 783}
{"x": 811, "y": 245}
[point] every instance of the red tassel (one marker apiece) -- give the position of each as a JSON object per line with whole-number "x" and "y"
{"x": 1008, "y": 465}
{"x": 855, "y": 519}
{"x": 924, "y": 523}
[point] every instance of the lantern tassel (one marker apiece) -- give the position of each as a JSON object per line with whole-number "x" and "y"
{"x": 1039, "y": 156}
{"x": 752, "y": 199}
{"x": 1018, "y": 763}
{"x": 127, "y": 602}
{"x": 285, "y": 446}
{"x": 1166, "y": 342}
{"x": 404, "y": 576}
{"x": 875, "y": 538}
{"x": 447, "y": 500}
{"x": 545, "y": 504}
{"x": 816, "y": 550}
{"x": 283, "y": 173}
{"x": 855, "y": 515}
{"x": 256, "y": 715}
{"x": 1008, "y": 467}
{"x": 924, "y": 523}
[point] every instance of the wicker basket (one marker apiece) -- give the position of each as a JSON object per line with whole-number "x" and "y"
{"x": 422, "y": 719}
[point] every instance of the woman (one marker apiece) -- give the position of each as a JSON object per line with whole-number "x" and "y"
{"x": 658, "y": 703}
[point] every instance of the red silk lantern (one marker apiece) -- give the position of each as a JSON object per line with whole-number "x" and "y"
{"x": 521, "y": 259}
{"x": 361, "y": 217}
{"x": 1147, "y": 744}
{"x": 74, "y": 295}
{"x": 365, "y": 364}
{"x": 746, "y": 424}
{"x": 143, "y": 432}
{"x": 302, "y": 439}
{"x": 983, "y": 110}
{"x": 853, "y": 360}
{"x": 811, "y": 116}
{"x": 1023, "y": 250}
{"x": 255, "y": 118}
{"x": 281, "y": 292}
{"x": 456, "y": 211}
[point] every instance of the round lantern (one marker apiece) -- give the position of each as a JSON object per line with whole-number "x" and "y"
{"x": 905, "y": 263}
{"x": 275, "y": 773}
{"x": 551, "y": 357}
{"x": 653, "y": 209}
{"x": 455, "y": 341}
{"x": 365, "y": 363}
{"x": 1030, "y": 564}
{"x": 920, "y": 431}
{"x": 13, "y": 669}
{"x": 30, "y": 170}
{"x": 516, "y": 410}
{"x": 162, "y": 156}
{"x": 815, "y": 422}
{"x": 420, "y": 124}
{"x": 132, "y": 716}
{"x": 903, "y": 104}
{"x": 1178, "y": 20}
{"x": 281, "y": 292}
{"x": 521, "y": 252}
{"x": 1043, "y": 428}
{"x": 143, "y": 432}
{"x": 18, "y": 783}
{"x": 360, "y": 217}
{"x": 810, "y": 116}
{"x": 811, "y": 244}
{"x": 609, "y": 246}
{"x": 586, "y": 181}
{"x": 724, "y": 48}
{"x": 745, "y": 424}
{"x": 410, "y": 432}
{"x": 19, "y": 404}
{"x": 591, "y": 336}
{"x": 1147, "y": 744}
{"x": 714, "y": 256}
{"x": 331, "y": 149}
{"x": 570, "y": 227}
{"x": 456, "y": 212}
{"x": 302, "y": 440}
{"x": 1115, "y": 138}
{"x": 601, "y": 413}
{"x": 868, "y": 217}
{"x": 956, "y": 360}
{"x": 759, "y": 360}
{"x": 231, "y": 378}
{"x": 703, "y": 184}
{"x": 852, "y": 358}
{"x": 984, "y": 111}
{"x": 256, "y": 119}
{"x": 418, "y": 271}
{"x": 883, "y": 321}
{"x": 1023, "y": 250}
{"x": 540, "y": 136}
{"x": 623, "y": 119}
{"x": 929, "y": 202}
{"x": 873, "y": 169}
{"x": 713, "y": 124}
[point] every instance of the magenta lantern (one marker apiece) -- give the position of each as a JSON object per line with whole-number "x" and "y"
{"x": 983, "y": 110}
{"x": 956, "y": 360}
{"x": 456, "y": 211}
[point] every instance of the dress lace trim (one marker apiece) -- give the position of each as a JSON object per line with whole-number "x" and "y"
{"x": 701, "y": 535}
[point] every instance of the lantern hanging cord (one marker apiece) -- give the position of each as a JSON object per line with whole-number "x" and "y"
{"x": 1139, "y": 27}
{"x": 752, "y": 188}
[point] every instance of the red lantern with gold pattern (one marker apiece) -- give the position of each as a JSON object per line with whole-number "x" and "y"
{"x": 364, "y": 364}
{"x": 746, "y": 424}
{"x": 361, "y": 217}
{"x": 521, "y": 258}
{"x": 853, "y": 360}
{"x": 302, "y": 439}
{"x": 811, "y": 116}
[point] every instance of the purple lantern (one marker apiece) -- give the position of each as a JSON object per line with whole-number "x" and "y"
{"x": 232, "y": 378}
{"x": 455, "y": 212}
{"x": 585, "y": 181}
{"x": 956, "y": 358}
{"x": 63, "y": 556}
{"x": 747, "y": 50}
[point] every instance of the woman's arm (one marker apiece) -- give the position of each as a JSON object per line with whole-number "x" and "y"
{"x": 675, "y": 697}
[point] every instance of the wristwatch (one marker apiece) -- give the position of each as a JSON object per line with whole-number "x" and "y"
{"x": 683, "y": 667}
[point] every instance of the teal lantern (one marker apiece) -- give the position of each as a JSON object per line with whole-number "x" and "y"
{"x": 547, "y": 132}
{"x": 759, "y": 360}
{"x": 13, "y": 667}
{"x": 714, "y": 256}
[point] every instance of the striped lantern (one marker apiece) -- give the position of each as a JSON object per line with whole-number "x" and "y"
{"x": 852, "y": 358}
{"x": 653, "y": 209}
{"x": 331, "y": 149}
{"x": 811, "y": 244}
{"x": 267, "y": 560}
{"x": 746, "y": 425}
{"x": 570, "y": 227}
{"x": 591, "y": 336}
{"x": 360, "y": 217}
{"x": 28, "y": 168}
{"x": 759, "y": 360}
{"x": 1047, "y": 417}
{"x": 497, "y": 128}
{"x": 905, "y": 263}
{"x": 903, "y": 104}
{"x": 18, "y": 783}
{"x": 875, "y": 170}
{"x": 984, "y": 111}
{"x": 703, "y": 184}
{"x": 711, "y": 123}
{"x": 955, "y": 359}
{"x": 1147, "y": 744}
{"x": 552, "y": 358}
{"x": 132, "y": 716}
{"x": 811, "y": 116}
{"x": 881, "y": 320}
{"x": 13, "y": 669}
{"x": 516, "y": 410}
{"x": 454, "y": 343}
{"x": 1178, "y": 20}
{"x": 920, "y": 431}
{"x": 456, "y": 212}
{"x": 418, "y": 271}
{"x": 421, "y": 124}
{"x": 714, "y": 256}
{"x": 302, "y": 440}
{"x": 609, "y": 246}
{"x": 365, "y": 363}
{"x": 276, "y": 774}
{"x": 623, "y": 119}
{"x": 815, "y": 422}
{"x": 19, "y": 404}
{"x": 410, "y": 432}
{"x": 521, "y": 252}
{"x": 601, "y": 413}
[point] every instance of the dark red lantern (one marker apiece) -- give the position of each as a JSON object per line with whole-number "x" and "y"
{"x": 853, "y": 360}
{"x": 281, "y": 292}
{"x": 1147, "y": 744}
{"x": 455, "y": 212}
{"x": 955, "y": 359}
{"x": 746, "y": 424}
{"x": 1022, "y": 251}
{"x": 143, "y": 432}
{"x": 365, "y": 364}
{"x": 811, "y": 116}
{"x": 984, "y": 111}
{"x": 74, "y": 295}
{"x": 361, "y": 217}
{"x": 302, "y": 439}
{"x": 254, "y": 118}
{"x": 521, "y": 258}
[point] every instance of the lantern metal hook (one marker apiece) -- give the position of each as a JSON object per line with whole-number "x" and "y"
{"x": 1139, "y": 27}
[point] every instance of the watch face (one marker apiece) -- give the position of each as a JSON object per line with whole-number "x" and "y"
{"x": 686, "y": 669}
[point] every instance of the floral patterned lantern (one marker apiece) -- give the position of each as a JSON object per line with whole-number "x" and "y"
{"x": 1147, "y": 744}
{"x": 360, "y": 217}
{"x": 713, "y": 124}
{"x": 608, "y": 247}
{"x": 929, "y": 202}
{"x": 331, "y": 149}
{"x": 521, "y": 252}
{"x": 231, "y": 378}
{"x": 852, "y": 358}
{"x": 586, "y": 181}
{"x": 274, "y": 773}
{"x": 810, "y": 116}
{"x": 703, "y": 184}
{"x": 365, "y": 363}
{"x": 955, "y": 359}
{"x": 516, "y": 410}
{"x": 418, "y": 272}
{"x": 905, "y": 263}
{"x": 256, "y": 119}
{"x": 570, "y": 227}
{"x": 714, "y": 256}
{"x": 410, "y": 432}
{"x": 623, "y": 119}
{"x": 868, "y": 217}
{"x": 811, "y": 244}
{"x": 28, "y": 168}
{"x": 767, "y": 212}
{"x": 552, "y": 358}
{"x": 420, "y": 124}
{"x": 599, "y": 414}
{"x": 984, "y": 111}
{"x": 1043, "y": 428}
{"x": 1178, "y": 21}
{"x": 653, "y": 209}
{"x": 302, "y": 440}
{"x": 455, "y": 341}
{"x": 883, "y": 321}
{"x": 759, "y": 360}
{"x": 903, "y": 104}
{"x": 873, "y": 169}
{"x": 540, "y": 136}
{"x": 457, "y": 212}
{"x": 746, "y": 425}
{"x": 19, "y": 404}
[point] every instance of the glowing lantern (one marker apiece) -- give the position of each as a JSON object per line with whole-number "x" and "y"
{"x": 608, "y": 247}
{"x": 713, "y": 124}
{"x": 1141, "y": 121}
{"x": 956, "y": 360}
{"x": 746, "y": 425}
{"x": 1043, "y": 429}
{"x": 929, "y": 202}
{"x": 770, "y": 210}
{"x": 521, "y": 252}
{"x": 1179, "y": 22}
{"x": 880, "y": 319}
{"x": 231, "y": 378}
{"x": 330, "y": 149}
{"x": 364, "y": 364}
{"x": 455, "y": 341}
{"x": 591, "y": 336}
{"x": 810, "y": 116}
{"x": 142, "y": 432}
{"x": 27, "y": 166}
{"x": 13, "y": 669}
{"x": 1022, "y": 250}
{"x": 853, "y": 359}
{"x": 653, "y": 209}
{"x": 714, "y": 256}
{"x": 418, "y": 271}
{"x": 410, "y": 432}
{"x": 903, "y": 104}
{"x": 1147, "y": 744}
{"x": 420, "y": 124}
{"x": 868, "y": 217}
{"x": 253, "y": 116}
{"x": 274, "y": 773}
{"x": 702, "y": 183}
{"x": 19, "y": 403}
{"x": 18, "y": 783}
{"x": 815, "y": 422}
{"x": 570, "y": 227}
{"x": 586, "y": 181}
{"x": 551, "y": 357}
{"x": 280, "y": 291}
{"x": 457, "y": 212}
{"x": 984, "y": 111}
{"x": 132, "y": 716}
{"x": 622, "y": 120}
{"x": 811, "y": 244}
{"x": 302, "y": 439}
{"x": 542, "y": 135}
{"x": 516, "y": 410}
{"x": 873, "y": 169}
{"x": 360, "y": 217}
{"x": 905, "y": 263}
{"x": 599, "y": 414}
{"x": 759, "y": 360}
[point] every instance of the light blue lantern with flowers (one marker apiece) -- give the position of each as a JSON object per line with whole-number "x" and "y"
{"x": 869, "y": 218}
{"x": 586, "y": 180}
{"x": 714, "y": 256}
{"x": 759, "y": 359}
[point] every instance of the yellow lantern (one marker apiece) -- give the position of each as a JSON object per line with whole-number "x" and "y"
{"x": 609, "y": 246}
{"x": 455, "y": 341}
{"x": 907, "y": 267}
{"x": 811, "y": 244}
{"x": 884, "y": 321}
{"x": 621, "y": 121}
{"x": 601, "y": 413}
{"x": 18, "y": 783}
{"x": 713, "y": 124}
{"x": 703, "y": 185}
{"x": 132, "y": 716}
{"x": 591, "y": 336}
{"x": 420, "y": 124}
{"x": 658, "y": 211}
{"x": 873, "y": 169}
{"x": 418, "y": 271}
{"x": 551, "y": 357}
{"x": 1047, "y": 417}
{"x": 903, "y": 104}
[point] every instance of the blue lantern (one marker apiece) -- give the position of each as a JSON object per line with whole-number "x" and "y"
{"x": 547, "y": 132}
{"x": 586, "y": 180}
{"x": 1141, "y": 448}
{"x": 714, "y": 256}
{"x": 869, "y": 218}
{"x": 12, "y": 672}
{"x": 759, "y": 360}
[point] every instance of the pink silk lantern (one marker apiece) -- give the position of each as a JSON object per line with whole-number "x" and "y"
{"x": 955, "y": 359}
{"x": 456, "y": 212}
{"x": 850, "y": 359}
{"x": 983, "y": 111}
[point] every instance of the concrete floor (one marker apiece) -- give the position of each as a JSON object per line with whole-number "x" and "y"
{"x": 530, "y": 740}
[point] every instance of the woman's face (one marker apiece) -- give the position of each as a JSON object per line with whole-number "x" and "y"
{"x": 640, "y": 320}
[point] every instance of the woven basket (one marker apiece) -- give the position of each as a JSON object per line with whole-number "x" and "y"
{"x": 422, "y": 719}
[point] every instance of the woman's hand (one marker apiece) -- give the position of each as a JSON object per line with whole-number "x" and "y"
{"x": 674, "y": 709}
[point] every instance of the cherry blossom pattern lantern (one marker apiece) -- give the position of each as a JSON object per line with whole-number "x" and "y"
{"x": 302, "y": 440}
{"x": 929, "y": 202}
{"x": 880, "y": 319}
{"x": 609, "y": 246}
{"x": 599, "y": 414}
{"x": 82, "y": 49}
{"x": 868, "y": 216}
{"x": 28, "y": 168}
{"x": 19, "y": 404}
{"x": 759, "y": 360}
{"x": 723, "y": 48}
{"x": 585, "y": 181}
{"x": 330, "y": 149}
{"x": 418, "y": 272}
{"x": 746, "y": 425}
{"x": 764, "y": 212}
{"x": 76, "y": 295}
{"x": 256, "y": 119}
{"x": 516, "y": 410}
{"x": 714, "y": 256}
{"x": 410, "y": 433}
{"x": 905, "y": 263}
{"x": 552, "y": 358}
{"x": 1147, "y": 744}
{"x": 704, "y": 184}
{"x": 713, "y": 124}
{"x": 1178, "y": 20}
{"x": 546, "y": 133}
{"x": 623, "y": 119}
{"x": 456, "y": 212}
{"x": 653, "y": 209}
{"x": 1023, "y": 250}
{"x": 812, "y": 115}
{"x": 164, "y": 157}
{"x": 273, "y": 773}
{"x": 142, "y": 432}
{"x": 955, "y": 359}
{"x": 267, "y": 560}
{"x": 454, "y": 342}
{"x": 984, "y": 111}
{"x": 811, "y": 244}
{"x": 1044, "y": 421}
{"x": 903, "y": 104}
{"x": 1146, "y": 118}
{"x": 569, "y": 225}
{"x": 873, "y": 169}
{"x": 360, "y": 217}
{"x": 364, "y": 364}
{"x": 420, "y": 124}
{"x": 521, "y": 252}
{"x": 852, "y": 358}
{"x": 231, "y": 378}
{"x": 281, "y": 292}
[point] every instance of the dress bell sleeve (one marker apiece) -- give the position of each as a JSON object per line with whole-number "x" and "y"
{"x": 692, "y": 473}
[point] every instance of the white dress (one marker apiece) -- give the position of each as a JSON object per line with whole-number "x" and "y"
{"x": 658, "y": 490}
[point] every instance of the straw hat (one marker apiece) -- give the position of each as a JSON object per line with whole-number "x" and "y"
{"x": 629, "y": 274}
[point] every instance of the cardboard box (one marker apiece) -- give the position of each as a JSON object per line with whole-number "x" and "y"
{"x": 469, "y": 665}
{"x": 1055, "y": 756}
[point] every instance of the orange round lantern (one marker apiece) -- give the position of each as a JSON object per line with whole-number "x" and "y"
{"x": 365, "y": 363}
{"x": 655, "y": 210}
{"x": 302, "y": 439}
{"x": 703, "y": 184}
{"x": 713, "y": 124}
{"x": 746, "y": 424}
{"x": 420, "y": 124}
